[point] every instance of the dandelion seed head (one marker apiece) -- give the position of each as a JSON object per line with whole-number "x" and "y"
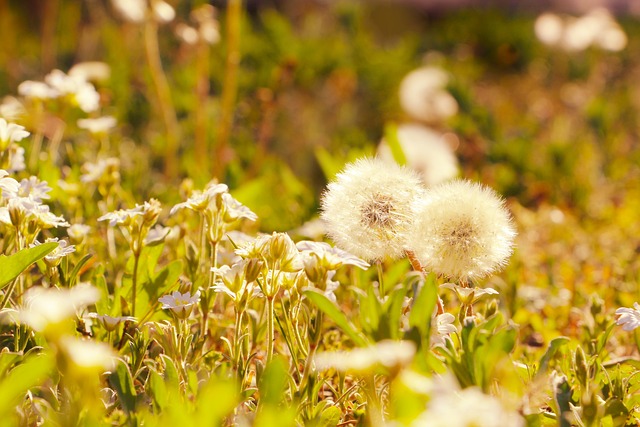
{"x": 463, "y": 231}
{"x": 369, "y": 207}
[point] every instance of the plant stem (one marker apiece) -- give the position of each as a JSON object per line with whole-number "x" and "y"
{"x": 270, "y": 315}
{"x": 134, "y": 283}
{"x": 163, "y": 93}
{"x": 229, "y": 87}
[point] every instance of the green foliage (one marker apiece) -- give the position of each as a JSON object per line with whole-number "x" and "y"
{"x": 11, "y": 266}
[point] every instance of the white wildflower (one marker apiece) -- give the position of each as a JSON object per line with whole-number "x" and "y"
{"x": 628, "y": 318}
{"x": 180, "y": 304}
{"x": 34, "y": 188}
{"x": 162, "y": 11}
{"x": 8, "y": 185}
{"x": 11, "y": 109}
{"x": 110, "y": 323}
{"x": 442, "y": 327}
{"x": 11, "y": 132}
{"x": 131, "y": 10}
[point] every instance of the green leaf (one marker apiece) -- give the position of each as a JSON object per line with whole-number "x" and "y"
{"x": 333, "y": 311}
{"x": 20, "y": 379}
{"x": 617, "y": 410}
{"x": 122, "y": 382}
{"x": 158, "y": 389}
{"x": 11, "y": 266}
{"x": 73, "y": 277}
{"x": 423, "y": 306}
{"x": 553, "y": 348}
{"x": 273, "y": 382}
{"x": 226, "y": 397}
{"x": 391, "y": 138}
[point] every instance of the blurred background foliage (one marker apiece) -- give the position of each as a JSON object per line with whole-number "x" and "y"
{"x": 319, "y": 81}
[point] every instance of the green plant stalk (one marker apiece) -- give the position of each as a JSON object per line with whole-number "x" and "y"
{"x": 134, "y": 283}
{"x": 163, "y": 92}
{"x": 375, "y": 415}
{"x": 229, "y": 87}
{"x": 270, "y": 328}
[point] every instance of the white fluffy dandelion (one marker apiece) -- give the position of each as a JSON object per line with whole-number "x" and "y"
{"x": 369, "y": 208}
{"x": 463, "y": 231}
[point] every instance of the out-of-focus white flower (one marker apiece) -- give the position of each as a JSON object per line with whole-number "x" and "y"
{"x": 79, "y": 91}
{"x": 98, "y": 125}
{"x": 47, "y": 307}
{"x": 104, "y": 169}
{"x": 596, "y": 28}
{"x": 369, "y": 208}
{"x": 443, "y": 326}
{"x": 34, "y": 188}
{"x": 46, "y": 219}
{"x": 78, "y": 232}
{"x": 208, "y": 30}
{"x": 426, "y": 152}
{"x": 423, "y": 95}
{"x": 384, "y": 354}
{"x": 628, "y": 318}
{"x": 131, "y": 10}
{"x": 463, "y": 231}
{"x": 110, "y": 323}
{"x": 451, "y": 407}
{"x": 180, "y": 304}
{"x": 11, "y": 132}
{"x": 549, "y": 28}
{"x": 11, "y": 109}
{"x": 16, "y": 156}
{"x": 8, "y": 185}
{"x": 187, "y": 34}
{"x": 87, "y": 355}
{"x": 37, "y": 90}
{"x": 163, "y": 11}
{"x": 91, "y": 71}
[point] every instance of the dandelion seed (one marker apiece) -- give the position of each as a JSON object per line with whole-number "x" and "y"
{"x": 369, "y": 208}
{"x": 628, "y": 318}
{"x": 426, "y": 152}
{"x": 463, "y": 231}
